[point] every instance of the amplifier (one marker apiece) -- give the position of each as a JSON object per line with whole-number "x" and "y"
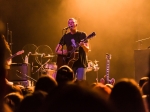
{"x": 142, "y": 63}
{"x": 19, "y": 72}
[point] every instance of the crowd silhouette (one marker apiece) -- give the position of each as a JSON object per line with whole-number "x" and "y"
{"x": 67, "y": 94}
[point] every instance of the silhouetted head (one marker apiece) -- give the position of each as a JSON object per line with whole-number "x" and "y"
{"x": 77, "y": 98}
{"x": 33, "y": 102}
{"x": 46, "y": 83}
{"x": 143, "y": 80}
{"x": 127, "y": 96}
{"x": 13, "y": 100}
{"x": 65, "y": 74}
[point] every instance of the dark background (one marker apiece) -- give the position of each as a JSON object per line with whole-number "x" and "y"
{"x": 118, "y": 25}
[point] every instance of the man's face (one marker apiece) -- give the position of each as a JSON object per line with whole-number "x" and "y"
{"x": 72, "y": 23}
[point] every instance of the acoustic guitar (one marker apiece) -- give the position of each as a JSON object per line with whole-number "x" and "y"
{"x": 72, "y": 55}
{"x": 106, "y": 79}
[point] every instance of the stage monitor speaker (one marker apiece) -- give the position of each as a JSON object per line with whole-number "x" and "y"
{"x": 141, "y": 63}
{"x": 19, "y": 72}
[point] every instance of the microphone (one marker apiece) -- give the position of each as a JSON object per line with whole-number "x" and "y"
{"x": 66, "y": 28}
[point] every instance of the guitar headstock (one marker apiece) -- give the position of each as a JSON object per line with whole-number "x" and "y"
{"x": 20, "y": 52}
{"x": 108, "y": 56}
{"x": 91, "y": 35}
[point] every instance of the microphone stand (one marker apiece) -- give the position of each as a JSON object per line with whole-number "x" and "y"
{"x": 9, "y": 37}
{"x": 26, "y": 76}
{"x": 7, "y": 32}
{"x": 62, "y": 43}
{"x": 30, "y": 78}
{"x": 63, "y": 46}
{"x": 96, "y": 68}
{"x": 10, "y": 40}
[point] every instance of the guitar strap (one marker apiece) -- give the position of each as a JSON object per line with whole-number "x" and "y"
{"x": 79, "y": 35}
{"x": 79, "y": 38}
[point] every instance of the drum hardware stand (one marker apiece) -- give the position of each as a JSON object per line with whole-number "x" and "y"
{"x": 41, "y": 68}
{"x": 96, "y": 68}
{"x": 26, "y": 76}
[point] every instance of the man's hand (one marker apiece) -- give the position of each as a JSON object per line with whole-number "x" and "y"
{"x": 82, "y": 44}
{"x": 85, "y": 46}
{"x": 9, "y": 62}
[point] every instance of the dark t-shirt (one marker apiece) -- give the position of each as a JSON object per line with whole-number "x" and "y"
{"x": 73, "y": 40}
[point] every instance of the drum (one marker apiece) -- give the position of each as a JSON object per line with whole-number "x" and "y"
{"x": 51, "y": 66}
{"x": 90, "y": 66}
{"x": 50, "y": 69}
{"x": 51, "y": 73}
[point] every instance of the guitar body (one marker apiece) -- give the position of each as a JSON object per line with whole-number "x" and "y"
{"x": 72, "y": 56}
{"x": 69, "y": 59}
{"x": 61, "y": 60}
{"x": 106, "y": 79}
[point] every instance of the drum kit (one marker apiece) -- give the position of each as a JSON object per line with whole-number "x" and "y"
{"x": 92, "y": 65}
{"x": 42, "y": 56}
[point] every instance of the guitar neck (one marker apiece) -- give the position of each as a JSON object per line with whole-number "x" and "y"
{"x": 107, "y": 70}
{"x": 11, "y": 56}
{"x": 83, "y": 40}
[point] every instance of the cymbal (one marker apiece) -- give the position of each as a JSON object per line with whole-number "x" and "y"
{"x": 49, "y": 56}
{"x": 36, "y": 54}
{"x": 43, "y": 55}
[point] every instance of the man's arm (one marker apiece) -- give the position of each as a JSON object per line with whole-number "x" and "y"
{"x": 9, "y": 61}
{"x": 59, "y": 50}
{"x": 85, "y": 46}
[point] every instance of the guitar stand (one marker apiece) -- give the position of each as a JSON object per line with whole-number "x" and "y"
{"x": 96, "y": 68}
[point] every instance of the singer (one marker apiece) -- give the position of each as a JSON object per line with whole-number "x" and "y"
{"x": 73, "y": 39}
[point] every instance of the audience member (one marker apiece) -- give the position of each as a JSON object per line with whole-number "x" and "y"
{"x": 145, "y": 91}
{"x": 9, "y": 88}
{"x": 33, "y": 102}
{"x": 126, "y": 96}
{"x": 109, "y": 85}
{"x": 27, "y": 90}
{"x": 76, "y": 98}
{"x": 46, "y": 83}
{"x": 64, "y": 75}
{"x": 143, "y": 80}
{"x": 13, "y": 100}
{"x": 103, "y": 89}
{"x": 2, "y": 74}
